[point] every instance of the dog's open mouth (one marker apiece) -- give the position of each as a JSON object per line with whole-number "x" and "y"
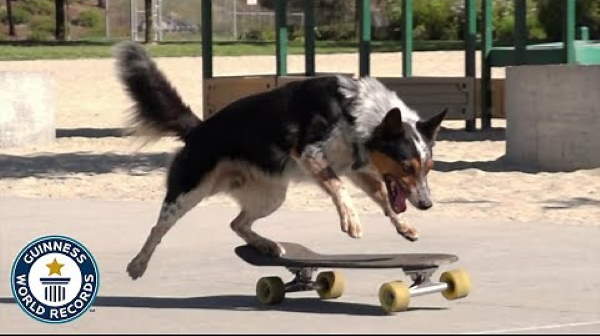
{"x": 396, "y": 193}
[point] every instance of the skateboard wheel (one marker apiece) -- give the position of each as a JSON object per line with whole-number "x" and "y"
{"x": 270, "y": 290}
{"x": 394, "y": 296}
{"x": 459, "y": 284}
{"x": 331, "y": 285}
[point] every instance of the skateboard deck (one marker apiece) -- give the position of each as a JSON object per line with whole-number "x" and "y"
{"x": 298, "y": 256}
{"x": 394, "y": 296}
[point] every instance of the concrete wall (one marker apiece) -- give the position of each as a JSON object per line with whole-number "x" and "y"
{"x": 27, "y": 108}
{"x": 553, "y": 116}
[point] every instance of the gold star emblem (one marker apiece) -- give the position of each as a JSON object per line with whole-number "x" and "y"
{"x": 54, "y": 267}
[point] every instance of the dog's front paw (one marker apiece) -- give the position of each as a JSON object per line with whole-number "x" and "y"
{"x": 350, "y": 222}
{"x": 137, "y": 267}
{"x": 269, "y": 248}
{"x": 410, "y": 234}
{"x": 406, "y": 230}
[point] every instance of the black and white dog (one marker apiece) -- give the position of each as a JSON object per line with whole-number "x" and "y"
{"x": 320, "y": 128}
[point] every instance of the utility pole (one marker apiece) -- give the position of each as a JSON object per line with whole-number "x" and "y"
{"x": 60, "y": 29}
{"x": 235, "y": 32}
{"x": 11, "y": 23}
{"x": 106, "y": 20}
{"x": 148, "y": 11}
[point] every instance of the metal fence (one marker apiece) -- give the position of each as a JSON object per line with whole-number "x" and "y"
{"x": 179, "y": 20}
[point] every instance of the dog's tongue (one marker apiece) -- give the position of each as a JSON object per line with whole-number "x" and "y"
{"x": 399, "y": 202}
{"x": 396, "y": 194}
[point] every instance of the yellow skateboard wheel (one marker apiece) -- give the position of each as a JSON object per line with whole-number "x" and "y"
{"x": 331, "y": 285}
{"x": 459, "y": 284}
{"x": 270, "y": 290}
{"x": 394, "y": 296}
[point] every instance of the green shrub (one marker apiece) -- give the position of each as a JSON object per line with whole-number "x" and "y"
{"x": 504, "y": 21}
{"x": 336, "y": 32}
{"x": 19, "y": 15}
{"x": 89, "y": 18}
{"x": 295, "y": 33}
{"x": 42, "y": 28}
{"x": 550, "y": 15}
{"x": 98, "y": 31}
{"x": 438, "y": 18}
{"x": 267, "y": 34}
{"x": 251, "y": 35}
{"x": 37, "y": 7}
{"x": 259, "y": 34}
{"x": 420, "y": 32}
{"x": 40, "y": 36}
{"x": 503, "y": 28}
{"x": 433, "y": 19}
{"x": 534, "y": 27}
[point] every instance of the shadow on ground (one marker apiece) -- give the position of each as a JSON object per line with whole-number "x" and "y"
{"x": 243, "y": 303}
{"x": 575, "y": 202}
{"x": 500, "y": 165}
{"x": 452, "y": 134}
{"x": 92, "y": 132}
{"x": 57, "y": 165}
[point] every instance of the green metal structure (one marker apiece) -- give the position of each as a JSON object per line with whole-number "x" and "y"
{"x": 569, "y": 51}
{"x": 364, "y": 8}
{"x": 364, "y": 39}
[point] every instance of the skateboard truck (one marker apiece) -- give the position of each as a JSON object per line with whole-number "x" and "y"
{"x": 422, "y": 284}
{"x": 302, "y": 280}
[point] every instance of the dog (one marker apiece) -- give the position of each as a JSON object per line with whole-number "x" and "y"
{"x": 320, "y": 128}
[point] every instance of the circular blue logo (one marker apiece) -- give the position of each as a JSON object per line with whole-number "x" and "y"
{"x": 55, "y": 279}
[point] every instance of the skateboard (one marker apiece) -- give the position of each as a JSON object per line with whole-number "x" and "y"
{"x": 394, "y": 296}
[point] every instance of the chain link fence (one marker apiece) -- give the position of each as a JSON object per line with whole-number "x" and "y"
{"x": 233, "y": 20}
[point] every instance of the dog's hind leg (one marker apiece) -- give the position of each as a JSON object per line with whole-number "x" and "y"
{"x": 376, "y": 189}
{"x": 258, "y": 199}
{"x": 172, "y": 210}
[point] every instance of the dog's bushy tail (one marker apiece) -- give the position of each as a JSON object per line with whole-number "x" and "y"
{"x": 158, "y": 109}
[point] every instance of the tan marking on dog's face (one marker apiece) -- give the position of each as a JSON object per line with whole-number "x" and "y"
{"x": 406, "y": 171}
{"x": 428, "y": 165}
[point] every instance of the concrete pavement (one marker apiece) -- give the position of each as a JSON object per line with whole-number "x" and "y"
{"x": 527, "y": 277}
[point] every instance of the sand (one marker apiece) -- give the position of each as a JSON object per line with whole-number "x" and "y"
{"x": 91, "y": 159}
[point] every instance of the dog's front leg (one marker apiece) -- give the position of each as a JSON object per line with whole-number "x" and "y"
{"x": 314, "y": 161}
{"x": 376, "y": 189}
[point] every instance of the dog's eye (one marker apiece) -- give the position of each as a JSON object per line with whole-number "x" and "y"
{"x": 408, "y": 168}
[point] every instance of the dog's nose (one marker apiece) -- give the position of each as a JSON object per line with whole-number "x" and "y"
{"x": 424, "y": 205}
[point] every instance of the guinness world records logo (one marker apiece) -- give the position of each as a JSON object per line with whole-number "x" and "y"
{"x": 55, "y": 279}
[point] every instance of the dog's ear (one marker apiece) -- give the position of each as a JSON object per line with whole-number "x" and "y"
{"x": 391, "y": 125}
{"x": 430, "y": 127}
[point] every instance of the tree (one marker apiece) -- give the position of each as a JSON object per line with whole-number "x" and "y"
{"x": 60, "y": 32}
{"x": 11, "y": 23}
{"x": 550, "y": 14}
{"x": 148, "y": 10}
{"x": 433, "y": 19}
